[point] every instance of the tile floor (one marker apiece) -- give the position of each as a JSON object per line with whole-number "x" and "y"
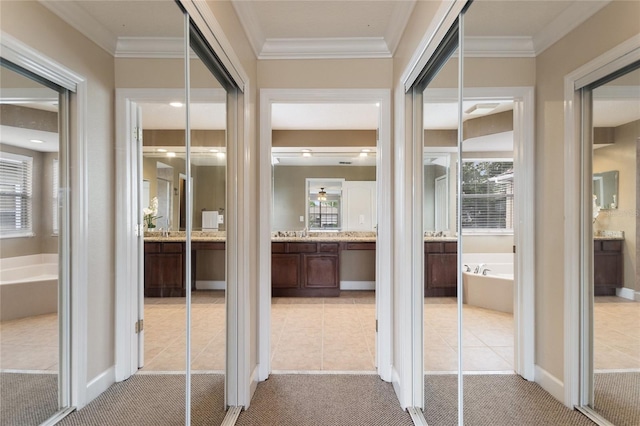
{"x": 331, "y": 334}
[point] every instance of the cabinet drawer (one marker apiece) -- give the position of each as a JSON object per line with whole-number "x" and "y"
{"x": 328, "y": 247}
{"x": 152, "y": 247}
{"x": 450, "y": 247}
{"x": 172, "y": 247}
{"x": 433, "y": 248}
{"x": 360, "y": 246}
{"x": 278, "y": 247}
{"x": 302, "y": 247}
{"x": 611, "y": 245}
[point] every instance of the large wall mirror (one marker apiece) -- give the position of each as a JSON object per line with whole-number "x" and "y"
{"x": 33, "y": 253}
{"x": 613, "y": 374}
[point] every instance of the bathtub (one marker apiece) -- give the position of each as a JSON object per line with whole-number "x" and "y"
{"x": 28, "y": 286}
{"x": 495, "y": 289}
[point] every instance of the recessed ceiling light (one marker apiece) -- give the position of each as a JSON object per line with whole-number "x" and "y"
{"x": 176, "y": 104}
{"x": 306, "y": 152}
{"x": 171, "y": 154}
{"x": 161, "y": 150}
{"x": 366, "y": 150}
{"x": 213, "y": 150}
{"x": 479, "y": 109}
{"x": 36, "y": 141}
{"x": 220, "y": 155}
{"x": 377, "y": 104}
{"x": 363, "y": 154}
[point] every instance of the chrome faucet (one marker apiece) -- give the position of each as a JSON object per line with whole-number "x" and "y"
{"x": 479, "y": 268}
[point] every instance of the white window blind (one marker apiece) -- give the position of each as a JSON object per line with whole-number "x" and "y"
{"x": 16, "y": 196}
{"x": 56, "y": 188}
{"x": 487, "y": 195}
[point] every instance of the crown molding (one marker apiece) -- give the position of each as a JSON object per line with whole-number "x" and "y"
{"x": 78, "y": 18}
{"x": 325, "y": 48}
{"x": 250, "y": 24}
{"x": 150, "y": 47}
{"x": 565, "y": 22}
{"x": 499, "y": 47}
{"x": 398, "y": 22}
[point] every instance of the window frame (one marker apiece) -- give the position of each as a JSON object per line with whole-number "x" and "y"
{"x": 26, "y": 195}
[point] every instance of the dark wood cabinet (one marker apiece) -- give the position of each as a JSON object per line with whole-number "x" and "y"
{"x": 164, "y": 269}
{"x": 607, "y": 267}
{"x": 440, "y": 269}
{"x": 305, "y": 269}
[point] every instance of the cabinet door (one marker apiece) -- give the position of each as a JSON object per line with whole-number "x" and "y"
{"x": 607, "y": 267}
{"x": 285, "y": 270}
{"x": 163, "y": 275}
{"x": 320, "y": 271}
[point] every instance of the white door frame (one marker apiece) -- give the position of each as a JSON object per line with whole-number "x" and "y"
{"x": 577, "y": 208}
{"x": 524, "y": 235}
{"x": 74, "y": 306}
{"x": 129, "y": 263}
{"x": 384, "y": 300}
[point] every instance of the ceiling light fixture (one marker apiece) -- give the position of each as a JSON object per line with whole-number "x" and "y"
{"x": 36, "y": 141}
{"x": 171, "y": 154}
{"x": 306, "y": 152}
{"x": 220, "y": 155}
{"x": 176, "y": 104}
{"x": 479, "y": 109}
{"x": 363, "y": 154}
{"x": 213, "y": 150}
{"x": 322, "y": 195}
{"x": 161, "y": 150}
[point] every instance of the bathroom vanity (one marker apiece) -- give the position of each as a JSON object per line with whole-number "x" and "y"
{"x": 440, "y": 267}
{"x": 607, "y": 266}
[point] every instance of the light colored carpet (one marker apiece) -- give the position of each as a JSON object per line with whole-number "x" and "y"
{"x": 320, "y": 400}
{"x": 155, "y": 400}
{"x": 27, "y": 399}
{"x": 617, "y": 397}
{"x": 495, "y": 400}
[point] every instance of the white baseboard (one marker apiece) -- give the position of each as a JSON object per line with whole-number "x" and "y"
{"x": 395, "y": 380}
{"x": 550, "y": 383}
{"x": 625, "y": 293}
{"x": 357, "y": 285}
{"x": 210, "y": 285}
{"x": 100, "y": 383}
{"x": 253, "y": 384}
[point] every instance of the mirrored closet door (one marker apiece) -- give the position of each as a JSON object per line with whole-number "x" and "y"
{"x": 34, "y": 248}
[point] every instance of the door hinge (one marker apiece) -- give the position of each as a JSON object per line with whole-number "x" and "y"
{"x": 137, "y": 134}
{"x": 139, "y": 326}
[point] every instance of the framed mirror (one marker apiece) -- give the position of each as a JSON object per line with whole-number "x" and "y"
{"x": 605, "y": 189}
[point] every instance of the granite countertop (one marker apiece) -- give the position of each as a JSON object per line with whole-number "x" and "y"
{"x": 281, "y": 236}
{"x": 608, "y": 235}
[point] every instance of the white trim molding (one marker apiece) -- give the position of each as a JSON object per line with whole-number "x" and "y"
{"x": 575, "y": 205}
{"x": 325, "y": 48}
{"x": 549, "y": 382}
{"x": 384, "y": 298}
{"x": 101, "y": 383}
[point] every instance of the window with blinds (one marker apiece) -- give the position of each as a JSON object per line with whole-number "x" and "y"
{"x": 487, "y": 195}
{"x": 16, "y": 196}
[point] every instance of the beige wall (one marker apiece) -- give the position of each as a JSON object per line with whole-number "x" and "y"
{"x": 323, "y": 138}
{"x": 614, "y": 24}
{"x": 621, "y": 156}
{"x": 326, "y": 74}
{"x": 54, "y": 38}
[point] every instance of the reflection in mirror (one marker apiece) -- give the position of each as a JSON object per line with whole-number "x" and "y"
{"x": 324, "y": 193}
{"x": 440, "y": 339}
{"x": 605, "y": 189}
{"x": 615, "y": 369}
{"x": 29, "y": 249}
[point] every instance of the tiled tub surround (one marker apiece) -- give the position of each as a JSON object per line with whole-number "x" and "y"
{"x": 326, "y": 334}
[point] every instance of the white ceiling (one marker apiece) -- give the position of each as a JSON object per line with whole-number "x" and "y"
{"x": 324, "y": 116}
